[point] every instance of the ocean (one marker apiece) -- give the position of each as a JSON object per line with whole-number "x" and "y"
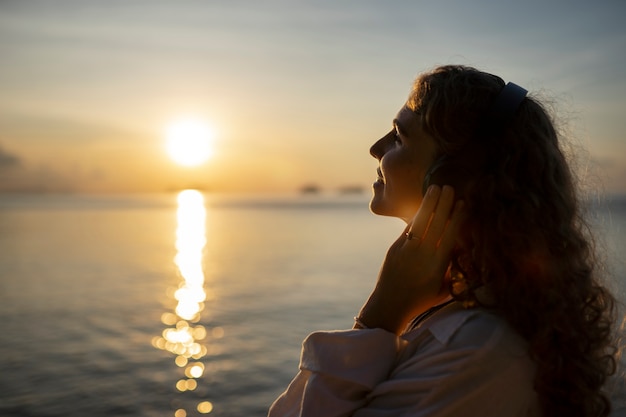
{"x": 187, "y": 304}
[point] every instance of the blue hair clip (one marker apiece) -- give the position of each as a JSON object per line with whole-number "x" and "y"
{"x": 504, "y": 107}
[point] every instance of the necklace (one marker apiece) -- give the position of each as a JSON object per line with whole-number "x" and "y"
{"x": 423, "y": 316}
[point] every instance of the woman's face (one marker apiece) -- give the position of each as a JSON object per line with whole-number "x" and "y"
{"x": 404, "y": 156}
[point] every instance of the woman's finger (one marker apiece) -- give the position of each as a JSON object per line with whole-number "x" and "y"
{"x": 417, "y": 227}
{"x": 449, "y": 236}
{"x": 440, "y": 217}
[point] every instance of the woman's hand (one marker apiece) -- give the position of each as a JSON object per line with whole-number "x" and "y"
{"x": 412, "y": 275}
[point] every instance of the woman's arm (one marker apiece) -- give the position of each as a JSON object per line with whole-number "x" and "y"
{"x": 339, "y": 369}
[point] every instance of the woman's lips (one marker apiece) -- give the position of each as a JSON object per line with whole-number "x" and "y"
{"x": 380, "y": 182}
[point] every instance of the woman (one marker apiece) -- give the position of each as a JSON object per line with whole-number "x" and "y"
{"x": 488, "y": 304}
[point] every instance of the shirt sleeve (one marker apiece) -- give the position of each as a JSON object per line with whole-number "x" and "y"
{"x": 337, "y": 371}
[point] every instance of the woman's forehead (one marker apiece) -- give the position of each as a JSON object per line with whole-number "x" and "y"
{"x": 407, "y": 119}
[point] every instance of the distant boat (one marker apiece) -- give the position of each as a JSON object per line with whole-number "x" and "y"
{"x": 309, "y": 189}
{"x": 351, "y": 189}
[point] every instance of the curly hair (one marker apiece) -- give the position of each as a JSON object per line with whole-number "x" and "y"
{"x": 526, "y": 243}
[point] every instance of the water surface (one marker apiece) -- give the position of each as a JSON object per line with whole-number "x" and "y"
{"x": 170, "y": 305}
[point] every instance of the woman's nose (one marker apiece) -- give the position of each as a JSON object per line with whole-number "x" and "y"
{"x": 378, "y": 148}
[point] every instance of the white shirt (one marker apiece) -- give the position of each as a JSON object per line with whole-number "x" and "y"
{"x": 456, "y": 363}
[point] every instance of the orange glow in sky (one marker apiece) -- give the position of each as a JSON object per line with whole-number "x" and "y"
{"x": 304, "y": 88}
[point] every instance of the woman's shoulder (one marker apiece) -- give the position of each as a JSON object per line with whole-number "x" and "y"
{"x": 462, "y": 362}
{"x": 466, "y": 344}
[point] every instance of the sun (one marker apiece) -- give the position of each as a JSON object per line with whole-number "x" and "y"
{"x": 189, "y": 142}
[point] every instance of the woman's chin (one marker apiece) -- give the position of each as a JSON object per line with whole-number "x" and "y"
{"x": 377, "y": 205}
{"x": 383, "y": 207}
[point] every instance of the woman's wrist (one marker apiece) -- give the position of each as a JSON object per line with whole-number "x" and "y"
{"x": 393, "y": 312}
{"x": 379, "y": 313}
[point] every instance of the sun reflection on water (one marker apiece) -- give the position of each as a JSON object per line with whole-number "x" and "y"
{"x": 184, "y": 336}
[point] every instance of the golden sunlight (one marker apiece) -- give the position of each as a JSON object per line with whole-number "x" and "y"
{"x": 190, "y": 241}
{"x": 189, "y": 142}
{"x": 182, "y": 339}
{"x": 184, "y": 335}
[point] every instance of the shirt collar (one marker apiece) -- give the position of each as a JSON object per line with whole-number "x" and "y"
{"x": 444, "y": 323}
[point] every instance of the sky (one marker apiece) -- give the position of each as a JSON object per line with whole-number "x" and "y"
{"x": 294, "y": 91}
